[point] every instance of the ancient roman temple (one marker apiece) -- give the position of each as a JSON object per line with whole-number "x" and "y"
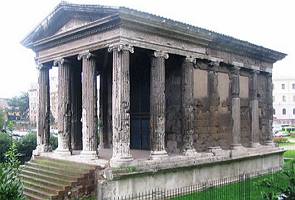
{"x": 143, "y": 92}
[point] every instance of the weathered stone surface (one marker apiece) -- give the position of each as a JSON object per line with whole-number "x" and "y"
{"x": 121, "y": 104}
{"x": 187, "y": 106}
{"x": 64, "y": 106}
{"x": 157, "y": 104}
{"x": 43, "y": 123}
{"x": 89, "y": 104}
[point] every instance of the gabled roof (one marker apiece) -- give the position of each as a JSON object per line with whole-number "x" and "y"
{"x": 92, "y": 13}
{"x": 61, "y": 14}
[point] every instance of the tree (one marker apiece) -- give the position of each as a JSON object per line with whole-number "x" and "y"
{"x": 2, "y": 120}
{"x": 21, "y": 104}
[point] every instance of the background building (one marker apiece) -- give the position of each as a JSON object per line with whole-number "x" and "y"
{"x": 33, "y": 103}
{"x": 284, "y": 100}
{"x": 3, "y": 104}
{"x": 33, "y": 100}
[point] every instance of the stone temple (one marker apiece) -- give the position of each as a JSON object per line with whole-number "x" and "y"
{"x": 146, "y": 102}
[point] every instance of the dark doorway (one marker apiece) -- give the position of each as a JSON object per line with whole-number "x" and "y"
{"x": 140, "y": 101}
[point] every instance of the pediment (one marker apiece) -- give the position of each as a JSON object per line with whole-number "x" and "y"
{"x": 72, "y": 24}
{"x": 66, "y": 17}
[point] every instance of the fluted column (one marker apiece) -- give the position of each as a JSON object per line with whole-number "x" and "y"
{"x": 269, "y": 111}
{"x": 76, "y": 106}
{"x": 121, "y": 104}
{"x": 157, "y": 104}
{"x": 89, "y": 104}
{"x": 64, "y": 106}
{"x": 235, "y": 107}
{"x": 254, "y": 137}
{"x": 187, "y": 106}
{"x": 43, "y": 123}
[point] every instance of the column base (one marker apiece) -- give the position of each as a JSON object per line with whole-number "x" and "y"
{"x": 255, "y": 145}
{"x": 191, "y": 152}
{"x": 121, "y": 162}
{"x": 65, "y": 152}
{"x": 158, "y": 154}
{"x": 41, "y": 149}
{"x": 238, "y": 150}
{"x": 89, "y": 154}
{"x": 270, "y": 143}
{"x": 218, "y": 151}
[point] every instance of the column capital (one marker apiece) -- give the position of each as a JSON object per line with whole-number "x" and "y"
{"x": 191, "y": 59}
{"x": 213, "y": 65}
{"x": 40, "y": 66}
{"x": 60, "y": 61}
{"x": 121, "y": 47}
{"x": 268, "y": 75}
{"x": 254, "y": 71}
{"x": 85, "y": 55}
{"x": 160, "y": 53}
{"x": 235, "y": 70}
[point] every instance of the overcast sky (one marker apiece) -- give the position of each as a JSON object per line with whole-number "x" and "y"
{"x": 269, "y": 23}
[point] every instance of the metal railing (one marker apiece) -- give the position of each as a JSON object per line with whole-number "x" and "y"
{"x": 232, "y": 188}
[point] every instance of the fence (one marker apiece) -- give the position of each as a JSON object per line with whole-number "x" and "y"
{"x": 243, "y": 187}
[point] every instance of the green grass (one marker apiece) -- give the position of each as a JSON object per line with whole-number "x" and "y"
{"x": 286, "y": 144}
{"x": 289, "y": 154}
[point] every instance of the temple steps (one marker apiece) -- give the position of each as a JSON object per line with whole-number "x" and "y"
{"x": 47, "y": 178}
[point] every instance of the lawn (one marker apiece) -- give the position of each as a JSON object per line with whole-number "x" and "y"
{"x": 289, "y": 154}
{"x": 249, "y": 189}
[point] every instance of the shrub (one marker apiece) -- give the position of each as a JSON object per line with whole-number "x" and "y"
{"x": 10, "y": 184}
{"x": 283, "y": 187}
{"x": 280, "y": 140}
{"x": 28, "y": 143}
{"x": 5, "y": 141}
{"x": 53, "y": 142}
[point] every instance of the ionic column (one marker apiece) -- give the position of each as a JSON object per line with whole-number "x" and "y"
{"x": 64, "y": 106}
{"x": 43, "y": 123}
{"x": 269, "y": 111}
{"x": 89, "y": 104}
{"x": 76, "y": 106}
{"x": 121, "y": 104}
{"x": 254, "y": 138}
{"x": 235, "y": 107}
{"x": 187, "y": 106}
{"x": 157, "y": 104}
